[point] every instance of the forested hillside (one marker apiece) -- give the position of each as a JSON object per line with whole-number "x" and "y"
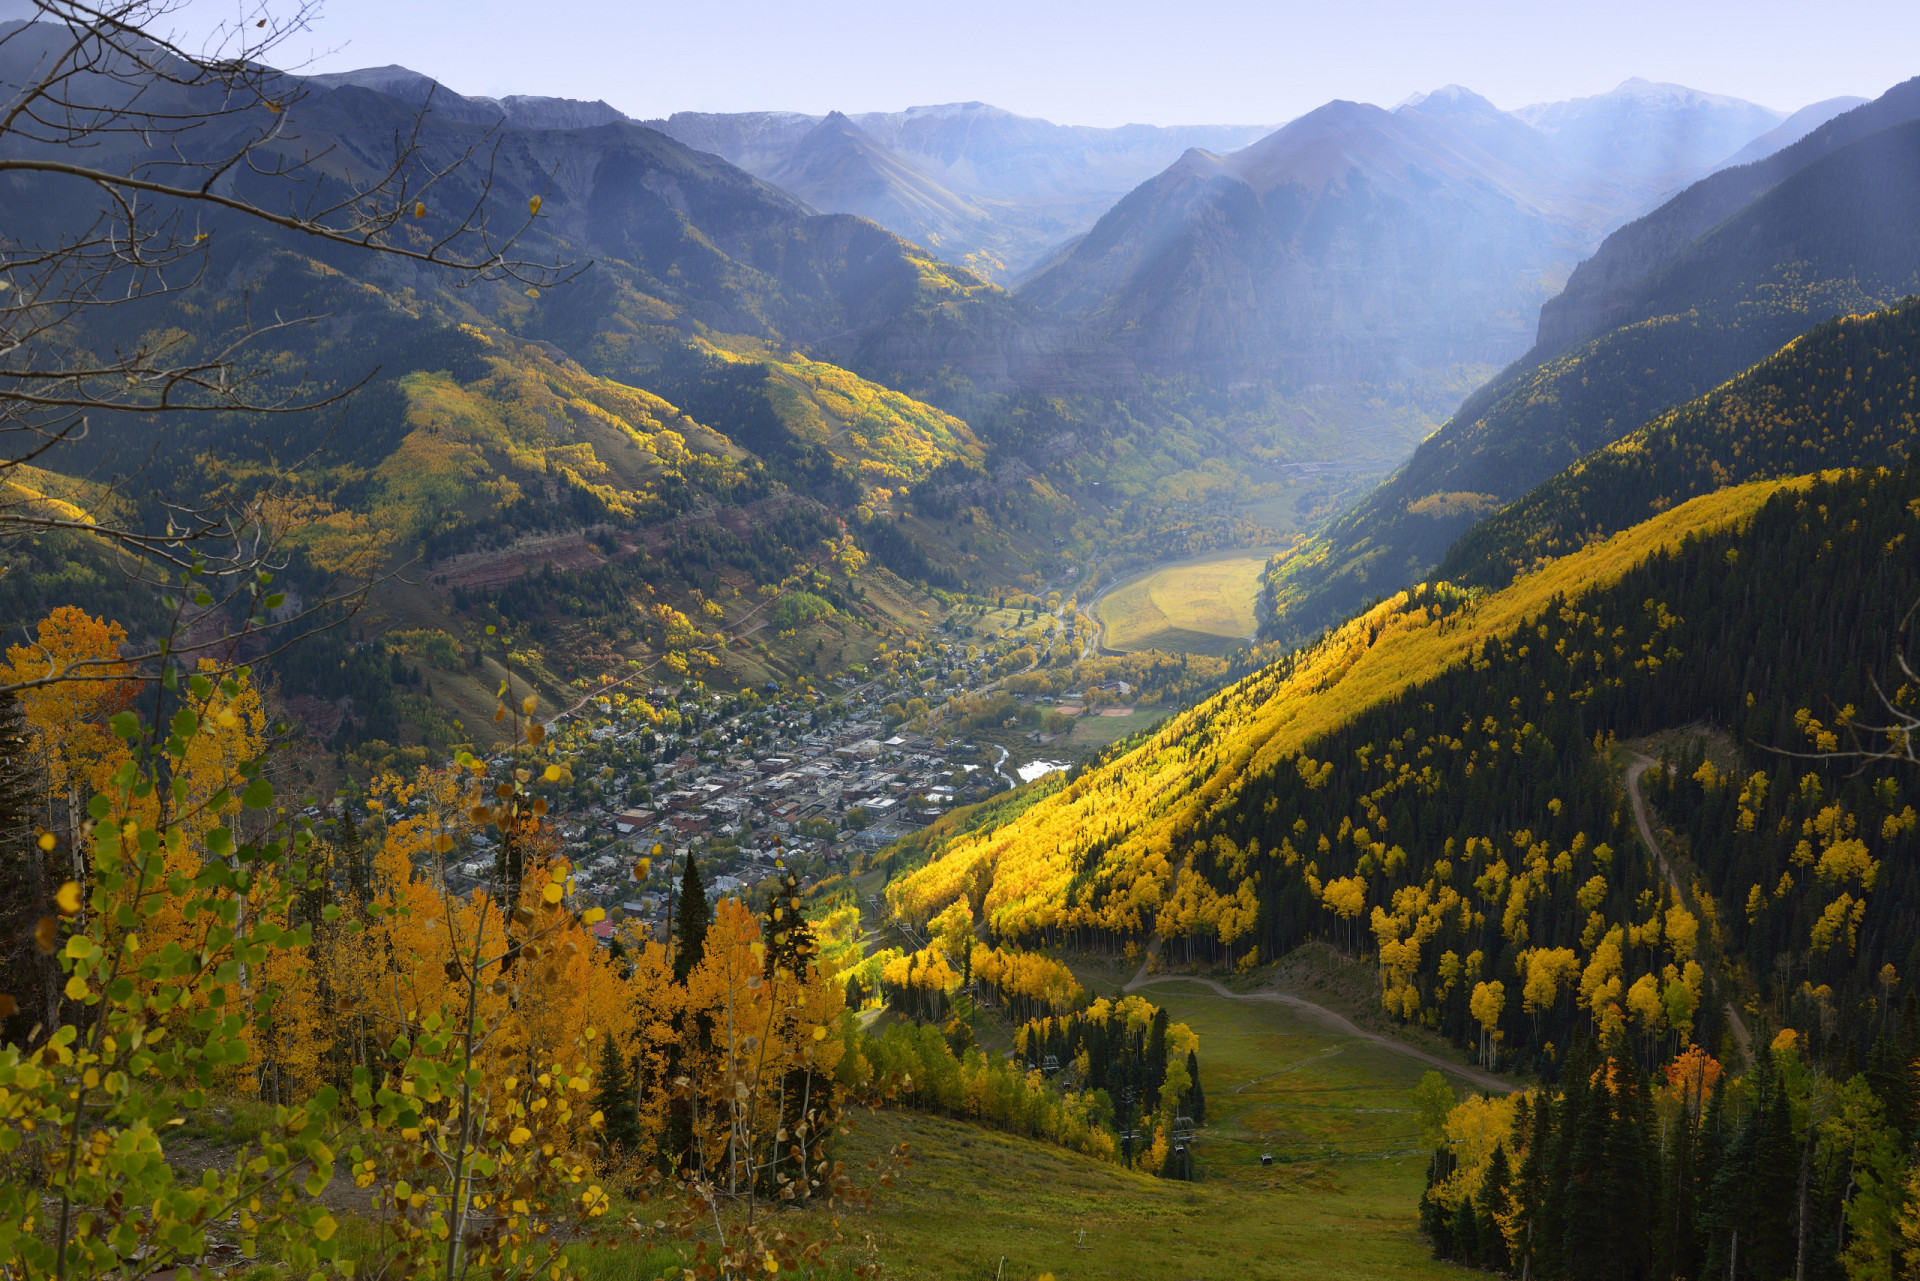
{"x": 1842, "y": 395}
{"x": 1436, "y": 781}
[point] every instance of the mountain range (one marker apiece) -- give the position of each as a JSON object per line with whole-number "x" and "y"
{"x": 1669, "y": 306}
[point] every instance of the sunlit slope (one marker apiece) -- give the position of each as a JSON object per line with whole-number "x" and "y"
{"x": 539, "y": 432}
{"x": 1102, "y": 852}
{"x": 886, "y": 437}
{"x": 1845, "y": 394}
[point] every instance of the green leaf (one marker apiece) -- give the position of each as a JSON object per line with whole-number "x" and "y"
{"x": 125, "y": 725}
{"x": 258, "y": 794}
{"x": 99, "y": 807}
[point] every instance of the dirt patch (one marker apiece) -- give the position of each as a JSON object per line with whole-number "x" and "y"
{"x": 1720, "y": 746}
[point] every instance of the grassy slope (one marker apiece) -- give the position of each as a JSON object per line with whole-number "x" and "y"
{"x": 1340, "y": 1200}
{"x": 1145, "y": 799}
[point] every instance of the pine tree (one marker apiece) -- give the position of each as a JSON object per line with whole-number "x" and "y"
{"x": 1154, "y": 1060}
{"x": 350, "y": 846}
{"x": 1587, "y": 1235}
{"x": 1630, "y": 1170}
{"x": 1196, "y": 1095}
{"x": 1496, "y": 1204}
{"x": 613, "y": 1098}
{"x": 1531, "y": 1194}
{"x": 1464, "y": 1231}
{"x": 691, "y": 919}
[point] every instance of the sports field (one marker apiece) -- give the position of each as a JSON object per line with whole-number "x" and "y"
{"x": 1202, "y": 606}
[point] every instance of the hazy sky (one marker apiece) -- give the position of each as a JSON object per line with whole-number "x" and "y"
{"x": 1116, "y": 61}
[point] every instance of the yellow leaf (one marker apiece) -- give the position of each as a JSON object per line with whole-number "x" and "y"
{"x": 47, "y": 842}
{"x": 528, "y": 703}
{"x": 520, "y": 1135}
{"x": 325, "y": 1228}
{"x": 79, "y": 947}
{"x": 594, "y": 915}
{"x": 533, "y": 205}
{"x": 76, "y": 988}
{"x": 551, "y": 774}
{"x": 419, "y": 209}
{"x": 68, "y": 899}
{"x": 552, "y": 894}
{"x": 820, "y": 1032}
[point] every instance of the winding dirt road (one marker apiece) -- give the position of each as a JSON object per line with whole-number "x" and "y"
{"x": 1339, "y": 1022}
{"x": 1640, "y": 766}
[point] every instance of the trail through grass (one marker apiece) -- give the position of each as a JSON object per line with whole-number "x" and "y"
{"x": 1340, "y": 1199}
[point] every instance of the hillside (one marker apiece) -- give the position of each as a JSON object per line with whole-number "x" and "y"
{"x": 837, "y": 167}
{"x": 1816, "y": 244}
{"x": 1841, "y": 395}
{"x": 1438, "y": 768}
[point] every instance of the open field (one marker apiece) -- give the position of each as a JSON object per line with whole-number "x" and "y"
{"x": 1091, "y": 733}
{"x": 1201, "y": 606}
{"x": 1340, "y": 1199}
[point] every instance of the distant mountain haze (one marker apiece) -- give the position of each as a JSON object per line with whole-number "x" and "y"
{"x": 1010, "y": 189}
{"x": 1603, "y": 292}
{"x": 518, "y": 111}
{"x": 1791, "y": 130}
{"x": 1672, "y": 305}
{"x": 1356, "y": 242}
{"x": 1659, "y": 135}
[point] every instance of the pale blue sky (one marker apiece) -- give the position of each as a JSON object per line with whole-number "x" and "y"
{"x": 1079, "y": 62}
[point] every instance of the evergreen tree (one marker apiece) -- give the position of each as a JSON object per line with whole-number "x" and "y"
{"x": 1464, "y": 1231}
{"x": 1629, "y": 1171}
{"x": 1530, "y": 1194}
{"x": 1496, "y": 1204}
{"x": 352, "y": 857}
{"x": 1196, "y": 1095}
{"x": 1709, "y": 1149}
{"x": 1587, "y": 1236}
{"x": 613, "y": 1098}
{"x": 1434, "y": 1219}
{"x": 691, "y": 918}
{"x": 1154, "y": 1061}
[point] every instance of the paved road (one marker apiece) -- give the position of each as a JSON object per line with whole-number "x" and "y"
{"x": 1640, "y": 766}
{"x": 1484, "y": 1080}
